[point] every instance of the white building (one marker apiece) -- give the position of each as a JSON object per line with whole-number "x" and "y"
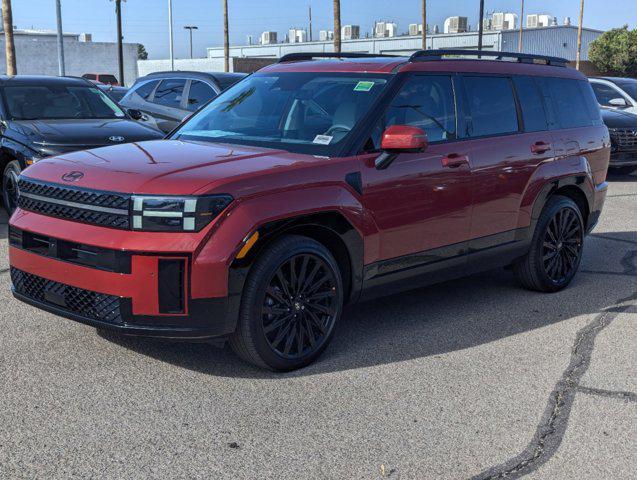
{"x": 385, "y": 29}
{"x": 415, "y": 29}
{"x": 350, "y": 32}
{"x": 326, "y": 35}
{"x": 455, "y": 25}
{"x": 504, "y": 21}
{"x": 536, "y": 21}
{"x": 268, "y": 38}
{"x": 297, "y": 35}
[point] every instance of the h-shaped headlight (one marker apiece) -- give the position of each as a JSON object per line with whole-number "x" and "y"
{"x": 176, "y": 214}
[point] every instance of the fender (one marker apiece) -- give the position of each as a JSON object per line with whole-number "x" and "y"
{"x": 539, "y": 189}
{"x": 16, "y": 150}
{"x": 271, "y": 213}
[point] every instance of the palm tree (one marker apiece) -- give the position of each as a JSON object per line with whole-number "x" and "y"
{"x": 226, "y": 40}
{"x": 337, "y": 26}
{"x": 424, "y": 24}
{"x": 7, "y": 18}
{"x": 579, "y": 34}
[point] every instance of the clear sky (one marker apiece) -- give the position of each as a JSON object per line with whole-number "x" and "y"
{"x": 145, "y": 21}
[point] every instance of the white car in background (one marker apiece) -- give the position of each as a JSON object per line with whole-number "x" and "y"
{"x": 616, "y": 92}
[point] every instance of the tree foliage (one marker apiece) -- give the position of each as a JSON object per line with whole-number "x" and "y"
{"x": 615, "y": 52}
{"x": 142, "y": 54}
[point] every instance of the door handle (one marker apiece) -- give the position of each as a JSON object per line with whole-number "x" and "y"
{"x": 539, "y": 148}
{"x": 454, "y": 160}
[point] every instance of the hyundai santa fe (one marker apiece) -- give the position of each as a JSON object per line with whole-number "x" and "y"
{"x": 315, "y": 183}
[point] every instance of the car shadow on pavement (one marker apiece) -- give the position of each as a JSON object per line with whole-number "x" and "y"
{"x": 430, "y": 321}
{"x": 616, "y": 177}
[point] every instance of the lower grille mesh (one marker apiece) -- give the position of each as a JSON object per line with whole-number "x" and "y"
{"x": 93, "y": 305}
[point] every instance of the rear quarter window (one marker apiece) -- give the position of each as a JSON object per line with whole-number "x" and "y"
{"x": 569, "y": 104}
{"x": 491, "y": 105}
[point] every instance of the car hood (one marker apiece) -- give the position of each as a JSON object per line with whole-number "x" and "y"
{"x": 172, "y": 167}
{"x": 618, "y": 119}
{"x": 60, "y": 136}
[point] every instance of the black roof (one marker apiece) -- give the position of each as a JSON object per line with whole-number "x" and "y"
{"x": 24, "y": 80}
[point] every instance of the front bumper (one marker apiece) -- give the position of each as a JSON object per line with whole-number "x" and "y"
{"x": 126, "y": 292}
{"x": 623, "y": 159}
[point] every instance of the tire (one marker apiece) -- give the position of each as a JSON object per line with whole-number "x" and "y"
{"x": 623, "y": 170}
{"x": 9, "y": 186}
{"x": 287, "y": 320}
{"x": 556, "y": 247}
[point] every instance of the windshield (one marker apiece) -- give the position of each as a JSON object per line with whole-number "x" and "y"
{"x": 299, "y": 112}
{"x": 630, "y": 87}
{"x": 59, "y": 102}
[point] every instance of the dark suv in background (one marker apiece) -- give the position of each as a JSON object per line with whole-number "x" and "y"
{"x": 166, "y": 98}
{"x": 42, "y": 116}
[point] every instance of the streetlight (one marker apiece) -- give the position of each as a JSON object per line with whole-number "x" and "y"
{"x": 190, "y": 28}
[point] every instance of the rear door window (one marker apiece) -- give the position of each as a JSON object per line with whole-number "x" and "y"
{"x": 531, "y": 104}
{"x": 199, "y": 94}
{"x": 170, "y": 92}
{"x": 491, "y": 106}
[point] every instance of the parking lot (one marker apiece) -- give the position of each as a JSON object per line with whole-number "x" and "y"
{"x": 475, "y": 378}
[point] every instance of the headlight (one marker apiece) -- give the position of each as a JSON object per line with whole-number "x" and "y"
{"x": 176, "y": 214}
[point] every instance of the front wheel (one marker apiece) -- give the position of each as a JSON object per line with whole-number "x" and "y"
{"x": 556, "y": 248}
{"x": 10, "y": 186}
{"x": 292, "y": 300}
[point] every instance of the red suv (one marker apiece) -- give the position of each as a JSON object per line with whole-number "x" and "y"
{"x": 316, "y": 183}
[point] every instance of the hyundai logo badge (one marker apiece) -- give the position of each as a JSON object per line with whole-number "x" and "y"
{"x": 116, "y": 138}
{"x": 73, "y": 176}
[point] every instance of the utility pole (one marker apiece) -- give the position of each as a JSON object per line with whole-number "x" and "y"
{"x": 190, "y": 28}
{"x": 310, "y": 7}
{"x": 7, "y": 19}
{"x": 521, "y": 26}
{"x": 579, "y": 34}
{"x": 170, "y": 35}
{"x": 58, "y": 13}
{"x": 424, "y": 24}
{"x": 226, "y": 38}
{"x": 480, "y": 26}
{"x": 120, "y": 54}
{"x": 337, "y": 26}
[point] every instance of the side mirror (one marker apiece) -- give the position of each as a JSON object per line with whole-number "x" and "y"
{"x": 400, "y": 139}
{"x": 135, "y": 114}
{"x": 618, "y": 102}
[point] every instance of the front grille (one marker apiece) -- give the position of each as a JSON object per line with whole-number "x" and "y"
{"x": 107, "y": 209}
{"x": 624, "y": 137}
{"x": 89, "y": 304}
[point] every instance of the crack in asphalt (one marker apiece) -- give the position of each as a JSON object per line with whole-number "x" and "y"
{"x": 550, "y": 432}
{"x": 630, "y": 396}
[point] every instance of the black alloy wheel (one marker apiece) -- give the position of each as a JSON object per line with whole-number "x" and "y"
{"x": 291, "y": 302}
{"x": 556, "y": 247}
{"x": 300, "y": 306}
{"x": 562, "y": 247}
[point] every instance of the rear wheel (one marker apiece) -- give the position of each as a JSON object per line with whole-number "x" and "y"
{"x": 10, "y": 186}
{"x": 291, "y": 302}
{"x": 556, "y": 248}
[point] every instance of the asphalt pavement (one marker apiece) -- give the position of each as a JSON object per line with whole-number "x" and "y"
{"x": 476, "y": 378}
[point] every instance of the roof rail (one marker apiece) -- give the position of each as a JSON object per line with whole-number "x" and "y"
{"x": 299, "y": 56}
{"x": 427, "y": 55}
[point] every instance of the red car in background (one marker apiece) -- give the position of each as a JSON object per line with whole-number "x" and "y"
{"x": 105, "y": 78}
{"x": 316, "y": 183}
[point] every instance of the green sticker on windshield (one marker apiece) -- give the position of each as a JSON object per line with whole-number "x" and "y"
{"x": 363, "y": 86}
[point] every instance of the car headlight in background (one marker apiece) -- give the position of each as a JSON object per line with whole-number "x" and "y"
{"x": 176, "y": 214}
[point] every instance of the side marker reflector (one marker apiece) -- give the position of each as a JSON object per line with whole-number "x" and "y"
{"x": 249, "y": 243}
